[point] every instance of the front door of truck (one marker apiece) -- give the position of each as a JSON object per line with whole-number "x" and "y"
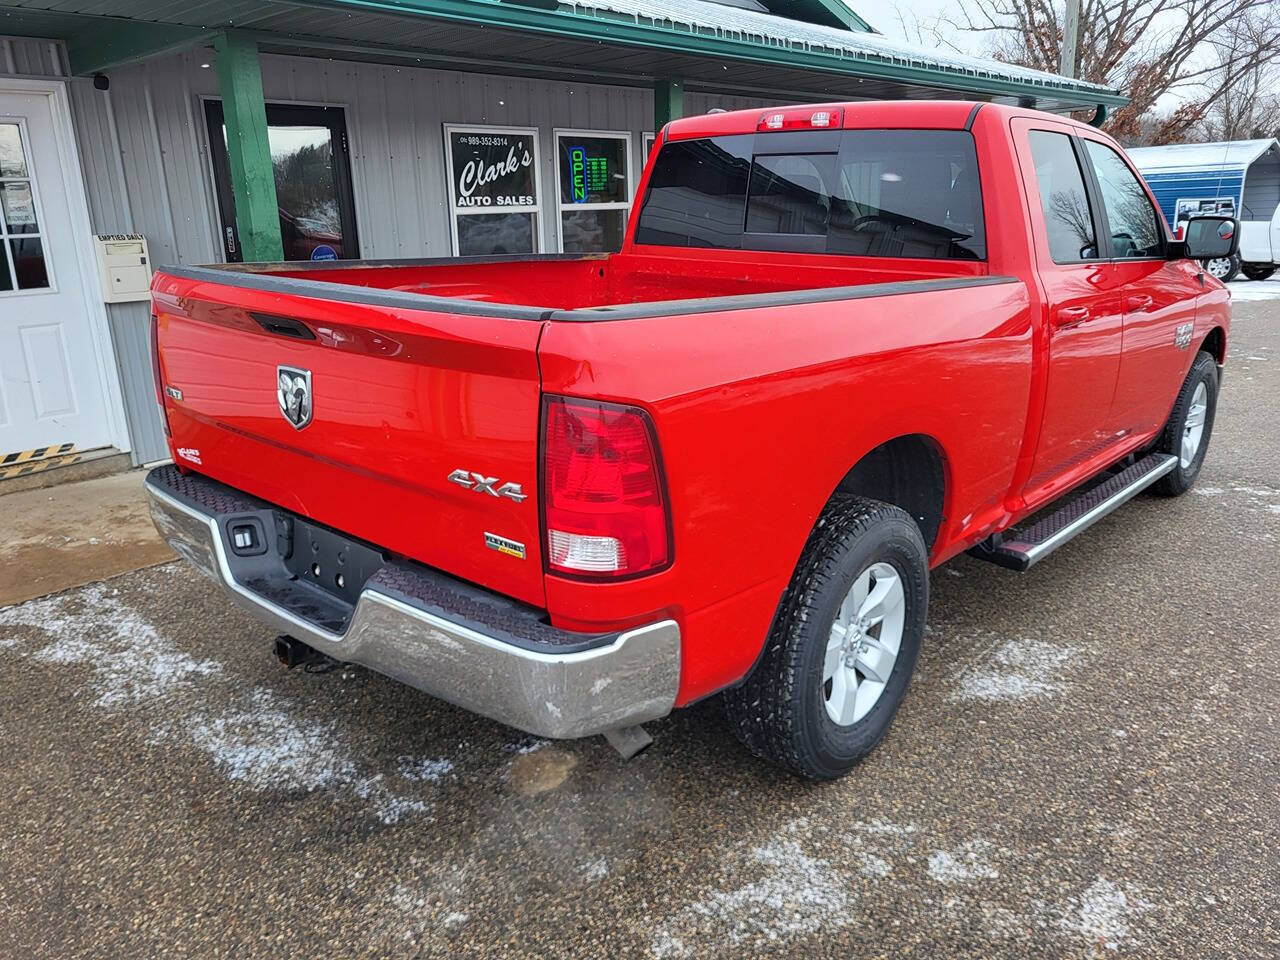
{"x": 1159, "y": 295}
{"x": 1083, "y": 301}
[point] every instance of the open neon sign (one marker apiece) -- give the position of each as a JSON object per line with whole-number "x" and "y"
{"x": 586, "y": 173}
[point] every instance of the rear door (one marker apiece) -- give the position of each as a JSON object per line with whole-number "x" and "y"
{"x": 1083, "y": 300}
{"x": 412, "y": 429}
{"x": 1158, "y": 294}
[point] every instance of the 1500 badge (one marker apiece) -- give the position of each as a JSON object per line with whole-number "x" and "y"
{"x": 1182, "y": 335}
{"x": 482, "y": 484}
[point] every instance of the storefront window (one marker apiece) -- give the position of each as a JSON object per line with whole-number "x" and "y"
{"x": 493, "y": 189}
{"x": 312, "y": 170}
{"x": 594, "y": 173}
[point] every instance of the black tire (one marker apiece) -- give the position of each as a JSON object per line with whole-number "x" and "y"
{"x": 1204, "y": 369}
{"x": 1258, "y": 271}
{"x": 779, "y": 711}
{"x": 1226, "y": 274}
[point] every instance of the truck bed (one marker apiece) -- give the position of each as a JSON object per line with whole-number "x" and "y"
{"x": 552, "y": 283}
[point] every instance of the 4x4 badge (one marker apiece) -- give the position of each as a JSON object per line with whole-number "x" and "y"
{"x": 293, "y": 393}
{"x": 1182, "y": 335}
{"x": 482, "y": 484}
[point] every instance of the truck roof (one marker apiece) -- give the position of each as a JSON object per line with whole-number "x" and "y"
{"x": 863, "y": 114}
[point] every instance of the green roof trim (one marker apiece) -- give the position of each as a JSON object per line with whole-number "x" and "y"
{"x": 666, "y": 25}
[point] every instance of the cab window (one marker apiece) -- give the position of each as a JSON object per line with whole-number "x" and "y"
{"x": 1134, "y": 225}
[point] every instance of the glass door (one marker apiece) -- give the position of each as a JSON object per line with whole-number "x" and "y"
{"x": 313, "y": 181}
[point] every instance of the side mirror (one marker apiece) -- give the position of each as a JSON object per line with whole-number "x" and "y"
{"x": 1209, "y": 238}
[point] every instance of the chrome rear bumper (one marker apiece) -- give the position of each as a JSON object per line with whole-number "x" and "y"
{"x": 624, "y": 679}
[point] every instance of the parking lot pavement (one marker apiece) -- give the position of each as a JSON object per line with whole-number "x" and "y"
{"x": 1086, "y": 765}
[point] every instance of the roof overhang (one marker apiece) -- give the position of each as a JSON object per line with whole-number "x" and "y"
{"x": 589, "y": 44}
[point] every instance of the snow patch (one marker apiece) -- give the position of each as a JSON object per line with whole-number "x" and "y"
{"x": 130, "y": 661}
{"x": 1105, "y": 912}
{"x": 870, "y": 865}
{"x": 425, "y": 769}
{"x": 265, "y": 744}
{"x": 269, "y": 748}
{"x": 1018, "y": 669}
{"x": 597, "y": 868}
{"x": 964, "y": 864}
{"x": 526, "y": 744}
{"x": 793, "y": 895}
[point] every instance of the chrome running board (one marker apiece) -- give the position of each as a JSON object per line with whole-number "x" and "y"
{"x": 1021, "y": 549}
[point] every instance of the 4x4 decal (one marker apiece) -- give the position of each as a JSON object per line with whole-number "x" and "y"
{"x": 482, "y": 484}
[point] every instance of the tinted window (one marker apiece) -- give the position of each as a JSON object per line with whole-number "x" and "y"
{"x": 1068, "y": 220}
{"x": 697, "y": 194}
{"x": 791, "y": 194}
{"x": 1135, "y": 229}
{"x": 881, "y": 193}
{"x": 909, "y": 193}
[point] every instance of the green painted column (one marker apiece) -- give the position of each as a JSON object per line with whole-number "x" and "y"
{"x": 668, "y": 102}
{"x": 252, "y": 179}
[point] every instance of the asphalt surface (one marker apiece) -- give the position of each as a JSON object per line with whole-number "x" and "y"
{"x": 1087, "y": 765}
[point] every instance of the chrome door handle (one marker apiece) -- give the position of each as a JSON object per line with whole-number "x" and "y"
{"x": 1071, "y": 316}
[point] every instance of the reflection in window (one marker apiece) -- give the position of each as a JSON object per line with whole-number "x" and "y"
{"x": 1068, "y": 220}
{"x": 791, "y": 194}
{"x": 1135, "y": 229}
{"x": 22, "y": 257}
{"x": 495, "y": 234}
{"x": 874, "y": 193}
{"x": 696, "y": 194}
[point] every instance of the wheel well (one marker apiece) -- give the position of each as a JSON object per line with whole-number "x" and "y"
{"x": 1216, "y": 344}
{"x": 907, "y": 472}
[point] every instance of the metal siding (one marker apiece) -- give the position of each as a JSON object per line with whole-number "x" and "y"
{"x": 92, "y": 113}
{"x": 23, "y": 56}
{"x": 1262, "y": 188}
{"x": 1170, "y": 187}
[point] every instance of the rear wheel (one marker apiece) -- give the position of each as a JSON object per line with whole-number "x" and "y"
{"x": 1225, "y": 269}
{"x": 1258, "y": 271}
{"x": 836, "y": 665}
{"x": 1186, "y": 435}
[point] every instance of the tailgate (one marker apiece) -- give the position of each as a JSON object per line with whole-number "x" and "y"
{"x": 401, "y": 400}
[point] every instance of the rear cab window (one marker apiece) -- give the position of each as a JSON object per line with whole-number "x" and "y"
{"x": 874, "y": 193}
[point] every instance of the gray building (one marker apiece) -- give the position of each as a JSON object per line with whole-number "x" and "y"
{"x": 222, "y": 130}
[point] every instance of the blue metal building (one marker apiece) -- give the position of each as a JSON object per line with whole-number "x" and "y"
{"x": 1240, "y": 178}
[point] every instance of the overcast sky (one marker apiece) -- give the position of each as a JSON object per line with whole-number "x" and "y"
{"x": 884, "y": 17}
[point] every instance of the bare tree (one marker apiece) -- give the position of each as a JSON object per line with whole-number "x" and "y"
{"x": 1204, "y": 50}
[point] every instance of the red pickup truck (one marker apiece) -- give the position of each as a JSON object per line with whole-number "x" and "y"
{"x": 840, "y": 345}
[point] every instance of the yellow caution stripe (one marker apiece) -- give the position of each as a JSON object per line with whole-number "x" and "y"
{"x": 39, "y": 453}
{"x": 36, "y": 466}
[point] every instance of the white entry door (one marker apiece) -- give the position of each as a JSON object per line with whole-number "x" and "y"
{"x": 51, "y": 370}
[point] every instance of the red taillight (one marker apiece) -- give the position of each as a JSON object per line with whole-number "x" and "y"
{"x": 804, "y": 118}
{"x": 155, "y": 373}
{"x": 603, "y": 498}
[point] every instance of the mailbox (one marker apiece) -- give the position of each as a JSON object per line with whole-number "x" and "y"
{"x": 124, "y": 267}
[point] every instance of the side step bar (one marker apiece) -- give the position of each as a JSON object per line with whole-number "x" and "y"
{"x": 1022, "y": 549}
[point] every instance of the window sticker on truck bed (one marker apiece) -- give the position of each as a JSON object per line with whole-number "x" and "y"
{"x": 512, "y": 548}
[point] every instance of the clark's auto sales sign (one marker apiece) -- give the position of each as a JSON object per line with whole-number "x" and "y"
{"x": 493, "y": 170}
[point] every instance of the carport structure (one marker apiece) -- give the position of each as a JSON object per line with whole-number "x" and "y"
{"x": 785, "y": 50}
